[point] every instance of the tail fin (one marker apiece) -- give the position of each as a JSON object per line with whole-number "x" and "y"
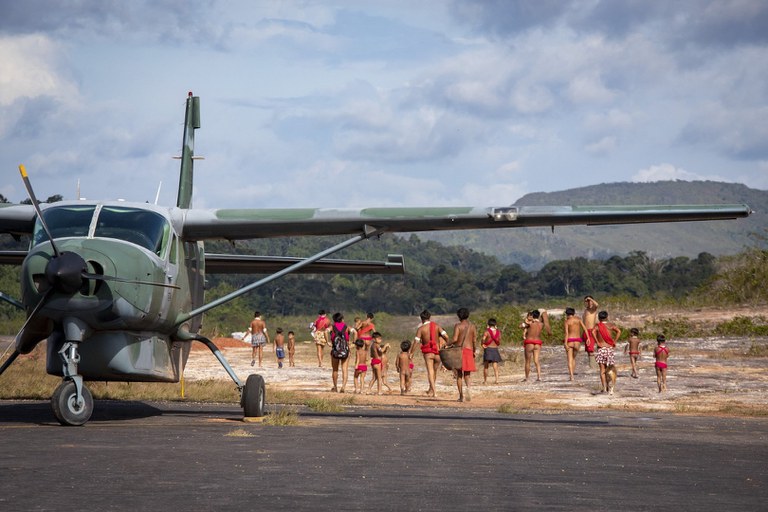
{"x": 186, "y": 177}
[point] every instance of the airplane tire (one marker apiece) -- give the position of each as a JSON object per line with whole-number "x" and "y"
{"x": 254, "y": 396}
{"x": 64, "y": 402}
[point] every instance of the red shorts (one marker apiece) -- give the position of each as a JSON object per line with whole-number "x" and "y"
{"x": 532, "y": 342}
{"x": 362, "y": 368}
{"x": 661, "y": 365}
{"x": 467, "y": 360}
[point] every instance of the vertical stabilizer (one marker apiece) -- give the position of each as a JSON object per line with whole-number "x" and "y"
{"x": 191, "y": 123}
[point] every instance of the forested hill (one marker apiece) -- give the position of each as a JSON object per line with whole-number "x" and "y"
{"x": 534, "y": 247}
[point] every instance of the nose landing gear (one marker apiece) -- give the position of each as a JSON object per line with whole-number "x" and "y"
{"x": 72, "y": 402}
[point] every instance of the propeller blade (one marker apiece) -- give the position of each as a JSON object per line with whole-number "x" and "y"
{"x": 9, "y": 361}
{"x": 19, "y": 336}
{"x": 88, "y": 275}
{"x": 36, "y": 206}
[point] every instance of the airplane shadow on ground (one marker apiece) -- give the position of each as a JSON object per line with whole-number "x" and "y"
{"x": 104, "y": 410}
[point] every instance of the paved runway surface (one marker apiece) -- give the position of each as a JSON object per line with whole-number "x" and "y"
{"x": 180, "y": 456}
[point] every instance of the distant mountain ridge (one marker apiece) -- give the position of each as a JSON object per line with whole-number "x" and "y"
{"x": 534, "y": 247}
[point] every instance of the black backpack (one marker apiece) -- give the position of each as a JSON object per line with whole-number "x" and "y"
{"x": 339, "y": 344}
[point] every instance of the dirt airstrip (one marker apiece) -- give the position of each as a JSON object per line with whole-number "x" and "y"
{"x": 712, "y": 375}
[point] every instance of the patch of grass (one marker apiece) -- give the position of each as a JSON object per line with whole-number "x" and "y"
{"x": 285, "y": 396}
{"x": 239, "y": 432}
{"x": 757, "y": 350}
{"x": 743, "y": 326}
{"x": 738, "y": 409}
{"x": 323, "y": 405}
{"x": 678, "y": 327}
{"x": 508, "y": 409}
{"x": 286, "y": 416}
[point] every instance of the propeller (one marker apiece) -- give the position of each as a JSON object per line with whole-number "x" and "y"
{"x": 36, "y": 206}
{"x": 30, "y": 318}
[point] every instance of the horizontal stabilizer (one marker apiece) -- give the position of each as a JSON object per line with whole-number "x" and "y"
{"x": 251, "y": 264}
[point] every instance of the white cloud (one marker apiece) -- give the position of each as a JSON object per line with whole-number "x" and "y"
{"x": 668, "y": 172}
{"x": 30, "y": 68}
{"x": 602, "y": 146}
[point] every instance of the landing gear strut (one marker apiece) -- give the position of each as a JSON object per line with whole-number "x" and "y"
{"x": 72, "y": 402}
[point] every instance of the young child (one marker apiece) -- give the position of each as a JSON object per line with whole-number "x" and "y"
{"x": 661, "y": 353}
{"x": 385, "y": 365}
{"x": 491, "y": 356}
{"x": 279, "y": 346}
{"x": 376, "y": 356}
{"x": 633, "y": 346}
{"x": 361, "y": 365}
{"x": 291, "y": 348}
{"x": 404, "y": 367}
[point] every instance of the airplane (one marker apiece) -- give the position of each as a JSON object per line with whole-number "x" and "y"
{"x": 117, "y": 288}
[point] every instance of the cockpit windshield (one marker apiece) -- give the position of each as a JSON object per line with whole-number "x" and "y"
{"x": 140, "y": 227}
{"x": 145, "y": 228}
{"x": 64, "y": 221}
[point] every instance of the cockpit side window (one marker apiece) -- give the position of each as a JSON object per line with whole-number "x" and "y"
{"x": 141, "y": 227}
{"x": 64, "y": 221}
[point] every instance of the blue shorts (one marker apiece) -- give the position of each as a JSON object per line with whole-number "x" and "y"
{"x": 280, "y": 351}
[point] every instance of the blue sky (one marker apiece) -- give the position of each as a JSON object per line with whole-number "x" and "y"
{"x": 311, "y": 104}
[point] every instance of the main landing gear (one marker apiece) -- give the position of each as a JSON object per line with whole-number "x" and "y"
{"x": 253, "y": 396}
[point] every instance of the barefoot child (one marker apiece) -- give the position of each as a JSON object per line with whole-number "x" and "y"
{"x": 279, "y": 346}
{"x": 633, "y": 347}
{"x": 385, "y": 366}
{"x": 573, "y": 328}
{"x": 491, "y": 342}
{"x": 376, "y": 356}
{"x": 404, "y": 367}
{"x": 361, "y": 365}
{"x": 661, "y": 354}
{"x": 291, "y": 348}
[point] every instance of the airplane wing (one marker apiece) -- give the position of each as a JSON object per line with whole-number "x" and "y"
{"x": 242, "y": 224}
{"x": 16, "y": 219}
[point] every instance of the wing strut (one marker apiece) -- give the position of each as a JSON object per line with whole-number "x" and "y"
{"x": 368, "y": 231}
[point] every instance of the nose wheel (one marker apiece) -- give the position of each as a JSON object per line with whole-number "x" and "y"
{"x": 67, "y": 408}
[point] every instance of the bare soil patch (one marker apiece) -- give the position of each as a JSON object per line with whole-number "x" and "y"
{"x": 706, "y": 375}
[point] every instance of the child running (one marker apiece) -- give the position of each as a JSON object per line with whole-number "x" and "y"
{"x": 661, "y": 354}
{"x": 404, "y": 367}
{"x": 361, "y": 365}
{"x": 633, "y": 347}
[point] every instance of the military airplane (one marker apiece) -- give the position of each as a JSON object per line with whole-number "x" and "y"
{"x": 117, "y": 288}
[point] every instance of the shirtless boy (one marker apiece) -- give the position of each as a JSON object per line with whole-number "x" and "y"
{"x": 291, "y": 348}
{"x": 361, "y": 365}
{"x": 661, "y": 353}
{"x": 279, "y": 346}
{"x": 574, "y": 328}
{"x": 259, "y": 337}
{"x": 465, "y": 334}
{"x": 532, "y": 342}
{"x": 606, "y": 335}
{"x": 404, "y": 367}
{"x": 430, "y": 337}
{"x": 633, "y": 347}
{"x": 589, "y": 317}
